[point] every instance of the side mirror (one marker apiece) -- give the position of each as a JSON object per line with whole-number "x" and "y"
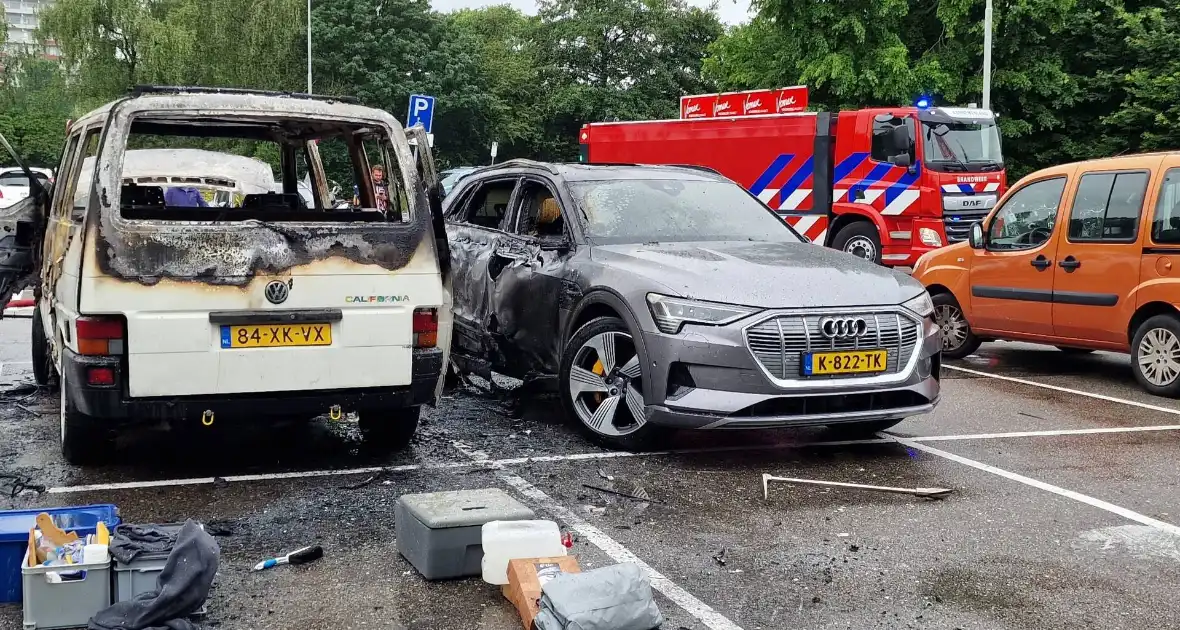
{"x": 976, "y": 237}
{"x": 558, "y": 244}
{"x": 902, "y": 159}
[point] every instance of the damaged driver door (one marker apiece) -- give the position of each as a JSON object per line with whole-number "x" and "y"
{"x": 530, "y": 264}
{"x": 428, "y": 174}
{"x": 22, "y": 227}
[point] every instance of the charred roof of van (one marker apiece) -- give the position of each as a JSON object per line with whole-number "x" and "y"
{"x": 202, "y": 102}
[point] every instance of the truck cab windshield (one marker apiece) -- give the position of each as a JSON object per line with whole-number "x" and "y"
{"x": 962, "y": 146}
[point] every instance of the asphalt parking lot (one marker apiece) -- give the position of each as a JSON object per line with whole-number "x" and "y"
{"x": 1063, "y": 514}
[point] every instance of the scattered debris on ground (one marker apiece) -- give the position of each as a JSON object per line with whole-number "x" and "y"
{"x": 925, "y": 493}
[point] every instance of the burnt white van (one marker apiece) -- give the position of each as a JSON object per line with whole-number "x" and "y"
{"x": 162, "y": 298}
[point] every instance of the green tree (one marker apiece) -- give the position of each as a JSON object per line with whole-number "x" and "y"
{"x": 617, "y": 60}
{"x": 506, "y": 61}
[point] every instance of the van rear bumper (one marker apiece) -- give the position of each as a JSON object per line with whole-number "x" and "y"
{"x": 113, "y": 403}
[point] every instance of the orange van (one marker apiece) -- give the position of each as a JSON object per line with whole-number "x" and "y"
{"x": 1082, "y": 256}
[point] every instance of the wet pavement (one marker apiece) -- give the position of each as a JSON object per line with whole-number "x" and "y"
{"x": 1069, "y": 524}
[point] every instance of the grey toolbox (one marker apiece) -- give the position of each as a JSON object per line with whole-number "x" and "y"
{"x": 65, "y": 604}
{"x": 441, "y": 533}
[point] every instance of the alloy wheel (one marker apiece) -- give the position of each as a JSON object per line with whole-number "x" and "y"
{"x": 952, "y": 326}
{"x": 1159, "y": 357}
{"x": 605, "y": 385}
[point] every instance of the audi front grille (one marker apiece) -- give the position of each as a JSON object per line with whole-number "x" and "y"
{"x": 778, "y": 343}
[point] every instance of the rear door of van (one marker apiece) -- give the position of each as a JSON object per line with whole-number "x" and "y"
{"x": 218, "y": 301}
{"x": 1098, "y": 254}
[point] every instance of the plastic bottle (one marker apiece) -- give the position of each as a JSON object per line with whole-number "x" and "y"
{"x": 508, "y": 540}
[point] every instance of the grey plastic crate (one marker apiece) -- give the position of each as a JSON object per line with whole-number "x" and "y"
{"x": 49, "y": 605}
{"x": 441, "y": 533}
{"x": 141, "y": 574}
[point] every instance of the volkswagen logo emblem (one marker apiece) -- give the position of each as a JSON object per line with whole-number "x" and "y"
{"x": 277, "y": 292}
{"x": 843, "y": 327}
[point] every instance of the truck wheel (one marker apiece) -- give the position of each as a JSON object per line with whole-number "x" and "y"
{"x": 83, "y": 440}
{"x": 44, "y": 372}
{"x": 859, "y": 239}
{"x": 957, "y": 339}
{"x": 1156, "y": 355}
{"x": 391, "y": 430}
{"x": 602, "y": 386}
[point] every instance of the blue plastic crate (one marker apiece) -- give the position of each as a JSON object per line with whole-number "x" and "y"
{"x": 14, "y": 537}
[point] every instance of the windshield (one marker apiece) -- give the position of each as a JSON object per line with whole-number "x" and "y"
{"x": 670, "y": 210}
{"x": 969, "y": 145}
{"x": 451, "y": 177}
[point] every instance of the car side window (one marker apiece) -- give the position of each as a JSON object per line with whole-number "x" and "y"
{"x": 1107, "y": 206}
{"x": 887, "y": 142}
{"x": 1165, "y": 224}
{"x": 539, "y": 212}
{"x": 488, "y": 204}
{"x": 69, "y": 157}
{"x": 1026, "y": 219}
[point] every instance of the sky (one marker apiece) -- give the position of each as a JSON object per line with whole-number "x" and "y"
{"x": 731, "y": 11}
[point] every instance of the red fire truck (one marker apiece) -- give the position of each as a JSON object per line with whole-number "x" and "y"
{"x": 886, "y": 184}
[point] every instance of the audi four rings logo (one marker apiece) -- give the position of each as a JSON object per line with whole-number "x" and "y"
{"x": 277, "y": 292}
{"x": 843, "y": 327}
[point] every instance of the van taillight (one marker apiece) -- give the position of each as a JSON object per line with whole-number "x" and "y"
{"x": 425, "y": 327}
{"x": 98, "y": 336}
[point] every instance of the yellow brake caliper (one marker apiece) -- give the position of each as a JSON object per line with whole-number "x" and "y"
{"x": 601, "y": 371}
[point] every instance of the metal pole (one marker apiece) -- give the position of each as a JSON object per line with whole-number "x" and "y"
{"x": 987, "y": 55}
{"x": 309, "y": 46}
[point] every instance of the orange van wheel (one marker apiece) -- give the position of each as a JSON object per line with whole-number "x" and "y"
{"x": 957, "y": 339}
{"x": 1155, "y": 355}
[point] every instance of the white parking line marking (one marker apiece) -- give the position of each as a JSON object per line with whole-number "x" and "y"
{"x": 1066, "y": 390}
{"x": 306, "y": 474}
{"x": 701, "y": 611}
{"x": 1048, "y": 433}
{"x": 1069, "y": 494}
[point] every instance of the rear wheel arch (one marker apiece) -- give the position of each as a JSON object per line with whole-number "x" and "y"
{"x": 1144, "y": 313}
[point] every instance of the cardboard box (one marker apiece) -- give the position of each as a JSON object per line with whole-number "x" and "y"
{"x": 525, "y": 578}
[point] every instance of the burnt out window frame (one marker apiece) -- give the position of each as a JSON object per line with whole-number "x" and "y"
{"x": 1164, "y": 195}
{"x": 518, "y": 207}
{"x": 465, "y": 208}
{"x": 1069, "y": 236}
{"x": 73, "y": 180}
{"x": 65, "y": 173}
{"x": 351, "y": 130}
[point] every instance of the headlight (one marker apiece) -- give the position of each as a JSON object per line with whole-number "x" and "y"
{"x": 930, "y": 237}
{"x": 672, "y": 313}
{"x": 922, "y": 305}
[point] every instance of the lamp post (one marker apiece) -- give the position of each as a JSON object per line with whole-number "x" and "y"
{"x": 987, "y": 56}
{"x": 309, "y": 46}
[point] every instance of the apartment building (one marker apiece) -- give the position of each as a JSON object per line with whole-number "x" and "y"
{"x": 21, "y": 16}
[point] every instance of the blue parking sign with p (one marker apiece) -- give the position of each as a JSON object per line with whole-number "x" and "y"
{"x": 421, "y": 112}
